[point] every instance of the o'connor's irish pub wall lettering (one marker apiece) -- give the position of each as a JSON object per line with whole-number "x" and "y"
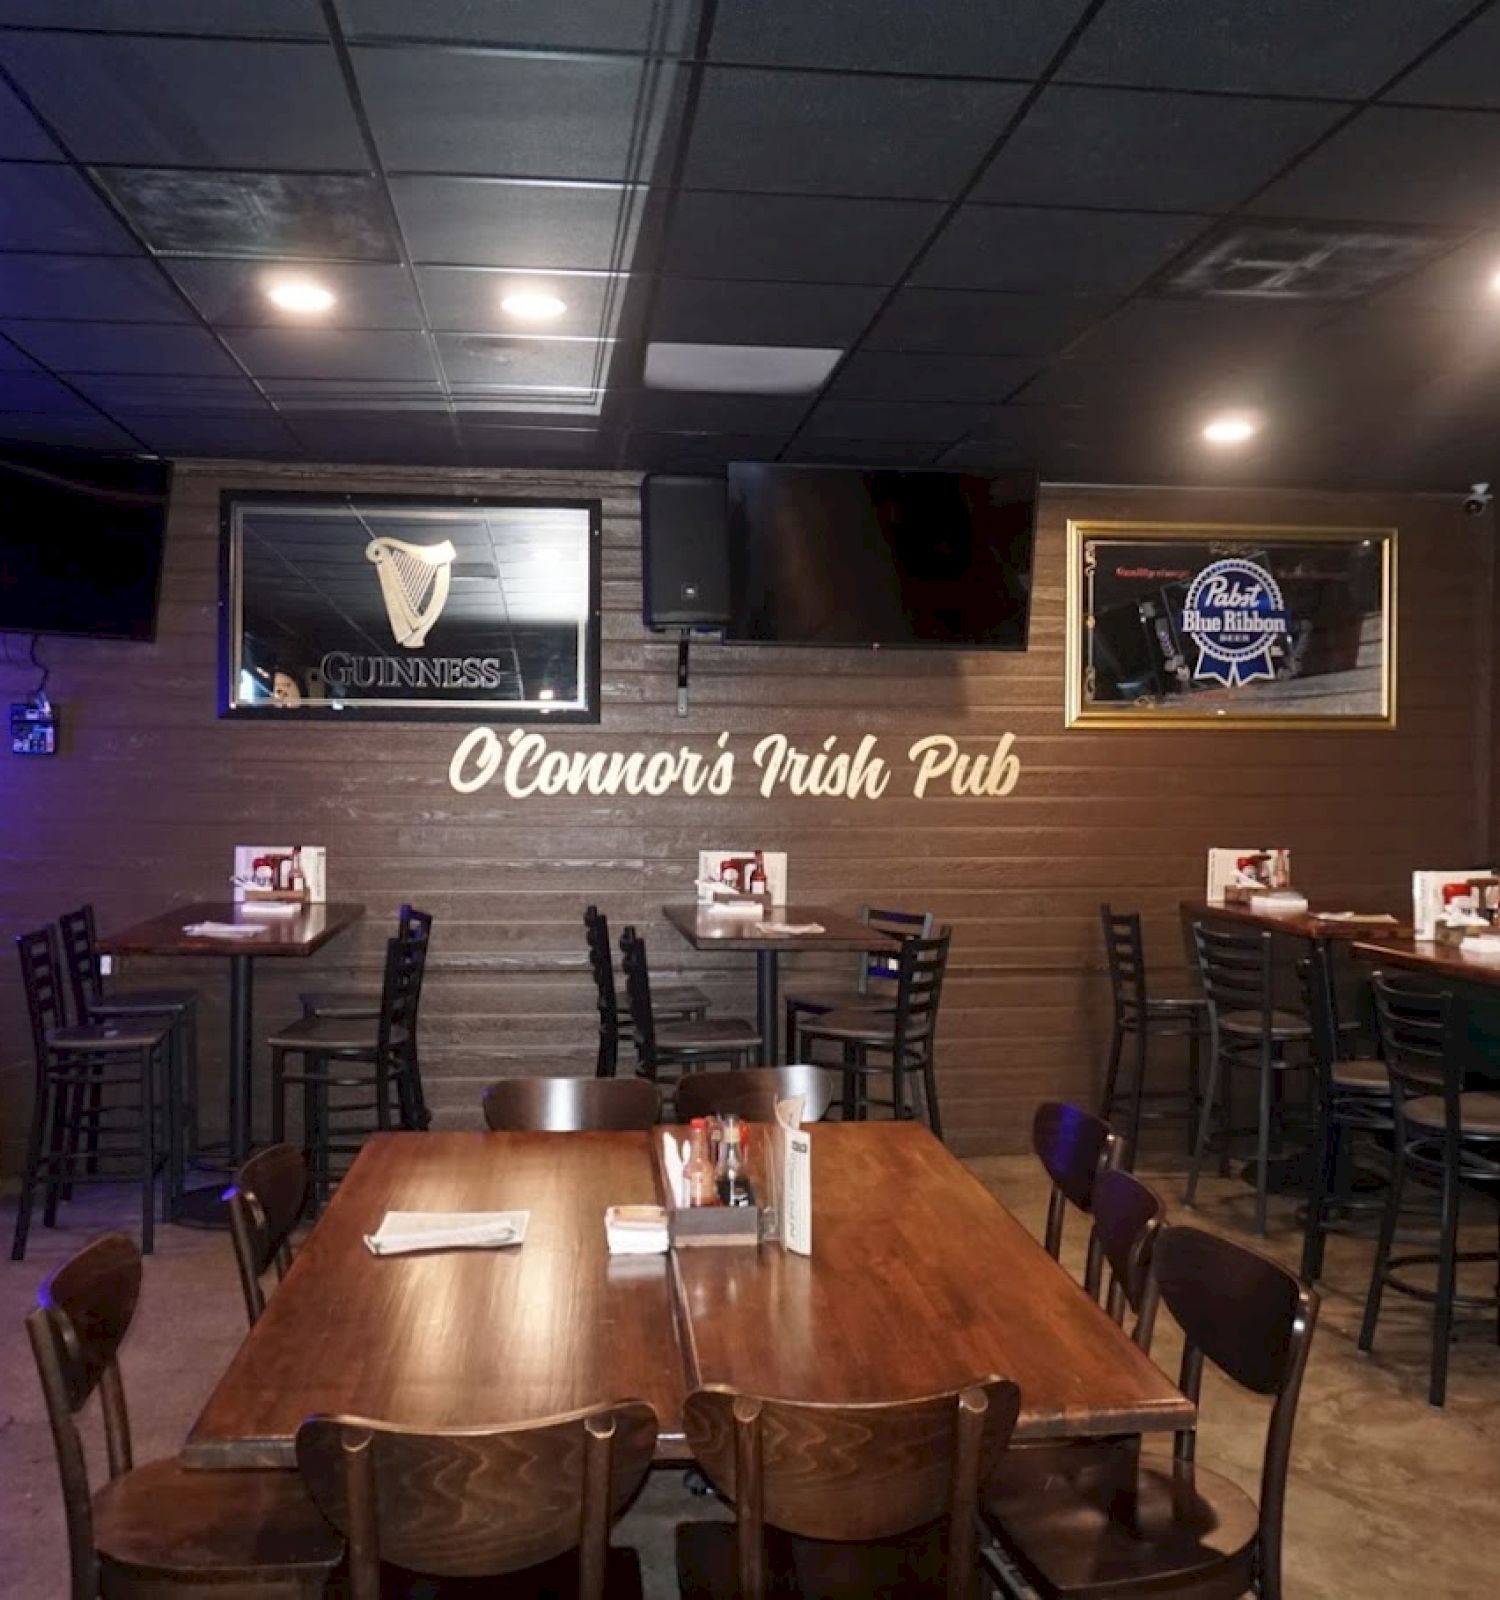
{"x": 524, "y": 764}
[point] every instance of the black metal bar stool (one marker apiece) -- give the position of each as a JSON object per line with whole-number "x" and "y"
{"x": 1138, "y": 1019}
{"x": 681, "y": 1045}
{"x": 674, "y": 1002}
{"x": 93, "y": 1080}
{"x": 1444, "y": 1134}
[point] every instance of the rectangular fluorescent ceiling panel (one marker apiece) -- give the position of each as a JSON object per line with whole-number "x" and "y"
{"x": 738, "y": 368}
{"x": 1293, "y": 261}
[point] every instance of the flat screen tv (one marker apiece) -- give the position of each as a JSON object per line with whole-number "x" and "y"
{"x": 884, "y": 559}
{"x": 81, "y": 543}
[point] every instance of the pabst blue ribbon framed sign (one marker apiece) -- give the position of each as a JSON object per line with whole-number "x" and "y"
{"x": 388, "y": 606}
{"x": 1215, "y": 624}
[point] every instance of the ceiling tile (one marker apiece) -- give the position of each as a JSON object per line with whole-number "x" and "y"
{"x": 489, "y": 444}
{"x": 668, "y": 410}
{"x": 964, "y": 321}
{"x": 1462, "y": 280}
{"x": 82, "y": 430}
{"x": 907, "y": 138}
{"x": 436, "y": 110}
{"x": 578, "y": 25}
{"x": 1210, "y": 333}
{"x": 232, "y": 293}
{"x": 44, "y": 206}
{"x": 1041, "y": 251}
{"x": 467, "y": 299}
{"x": 1462, "y": 72}
{"x": 891, "y": 375}
{"x": 475, "y": 362}
{"x": 1257, "y": 46}
{"x": 88, "y": 287}
{"x": 1121, "y": 149}
{"x": 266, "y": 215}
{"x": 128, "y": 392}
{"x": 1168, "y": 384}
{"x": 796, "y": 237}
{"x": 935, "y": 36}
{"x": 37, "y": 392}
{"x": 397, "y": 438}
{"x": 13, "y": 359}
{"x": 698, "y": 452}
{"x": 369, "y": 397}
{"x": 475, "y": 222}
{"x": 249, "y": 18}
{"x": 238, "y": 435}
{"x": 189, "y": 102}
{"x": 21, "y": 135}
{"x": 1399, "y": 164}
{"x": 709, "y": 311}
{"x": 125, "y": 347}
{"x": 394, "y": 357}
{"x": 892, "y": 419}
{"x": 865, "y": 452}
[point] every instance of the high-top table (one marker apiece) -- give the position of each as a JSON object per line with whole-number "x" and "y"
{"x": 1427, "y": 955}
{"x": 707, "y": 929}
{"x": 284, "y": 937}
{"x": 918, "y": 1280}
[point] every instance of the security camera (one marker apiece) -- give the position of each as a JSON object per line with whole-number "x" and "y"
{"x": 1477, "y": 501}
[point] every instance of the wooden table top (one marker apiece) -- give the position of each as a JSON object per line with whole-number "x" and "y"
{"x": 464, "y": 1337}
{"x": 918, "y": 1281}
{"x": 1426, "y": 955}
{"x": 1301, "y": 925}
{"x": 300, "y": 935}
{"x": 705, "y": 929}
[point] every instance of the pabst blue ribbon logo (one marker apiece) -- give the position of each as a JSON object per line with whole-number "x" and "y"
{"x": 1234, "y": 614}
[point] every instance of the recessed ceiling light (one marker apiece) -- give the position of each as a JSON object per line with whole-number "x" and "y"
{"x": 533, "y": 305}
{"x": 1495, "y": 282}
{"x": 1232, "y": 428}
{"x": 305, "y": 296}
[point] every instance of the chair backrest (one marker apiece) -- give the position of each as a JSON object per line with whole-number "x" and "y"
{"x": 401, "y": 989}
{"x": 1128, "y": 1215}
{"x": 880, "y": 967}
{"x": 753, "y": 1092}
{"x": 852, "y": 1472}
{"x": 1423, "y": 1037}
{"x": 265, "y": 1205}
{"x": 1125, "y": 957}
{"x": 1075, "y": 1147}
{"x": 81, "y": 958}
{"x": 570, "y": 1105}
{"x": 920, "y": 969}
{"x": 602, "y": 966}
{"x": 1235, "y": 969}
{"x": 42, "y": 978}
{"x": 1251, "y": 1317}
{"x": 638, "y": 996}
{"x": 477, "y": 1502}
{"x": 82, "y": 1314}
{"x": 1315, "y": 978}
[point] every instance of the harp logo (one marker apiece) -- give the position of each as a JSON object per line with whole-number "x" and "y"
{"x": 414, "y": 581}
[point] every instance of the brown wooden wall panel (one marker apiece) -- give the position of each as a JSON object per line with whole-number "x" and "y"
{"x": 151, "y": 791}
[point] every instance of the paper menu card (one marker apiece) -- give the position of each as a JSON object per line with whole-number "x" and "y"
{"x": 1444, "y": 897}
{"x": 791, "y": 1163}
{"x": 1262, "y": 868}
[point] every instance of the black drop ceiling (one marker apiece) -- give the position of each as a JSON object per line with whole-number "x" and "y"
{"x": 992, "y": 209}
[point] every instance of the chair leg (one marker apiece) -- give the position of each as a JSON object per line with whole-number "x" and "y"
{"x": 1112, "y": 1071}
{"x": 1210, "y": 1095}
{"x": 148, "y": 1152}
{"x": 189, "y": 1025}
{"x": 278, "y": 1096}
{"x": 929, "y": 1090}
{"x": 173, "y": 1117}
{"x": 849, "y": 1084}
{"x": 1137, "y": 1095}
{"x": 57, "y": 1154}
{"x": 34, "y": 1143}
{"x": 1381, "y": 1264}
{"x": 1263, "y": 1139}
{"x": 789, "y": 1031}
{"x": 1226, "y": 1119}
{"x": 1447, "y": 1287}
{"x": 1313, "y": 1235}
{"x": 1194, "y": 1082}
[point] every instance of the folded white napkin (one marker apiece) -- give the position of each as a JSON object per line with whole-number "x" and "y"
{"x": 220, "y": 930}
{"x": 790, "y": 929}
{"x": 636, "y": 1230}
{"x": 405, "y": 1232}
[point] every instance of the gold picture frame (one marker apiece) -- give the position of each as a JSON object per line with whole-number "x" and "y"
{"x": 1239, "y": 625}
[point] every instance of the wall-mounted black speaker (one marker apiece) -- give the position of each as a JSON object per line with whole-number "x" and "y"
{"x": 685, "y": 551}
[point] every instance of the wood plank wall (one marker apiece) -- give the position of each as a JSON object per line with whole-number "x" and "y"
{"x": 151, "y": 791}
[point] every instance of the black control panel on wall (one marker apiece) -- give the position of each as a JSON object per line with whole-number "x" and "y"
{"x": 685, "y": 551}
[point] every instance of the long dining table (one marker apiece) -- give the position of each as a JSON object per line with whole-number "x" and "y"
{"x": 919, "y": 1280}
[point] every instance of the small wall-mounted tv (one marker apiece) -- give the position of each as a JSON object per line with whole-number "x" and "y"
{"x": 878, "y": 558}
{"x": 81, "y": 543}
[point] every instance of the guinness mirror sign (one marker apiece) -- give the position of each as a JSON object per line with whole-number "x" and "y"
{"x": 384, "y": 606}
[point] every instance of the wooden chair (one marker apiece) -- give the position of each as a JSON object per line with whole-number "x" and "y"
{"x": 346, "y": 1005}
{"x": 678, "y": 1002}
{"x": 903, "y": 1041}
{"x": 1128, "y": 1216}
{"x": 679, "y": 1045}
{"x": 874, "y": 979}
{"x": 753, "y": 1093}
{"x": 93, "y": 1003}
{"x": 266, "y": 1202}
{"x": 532, "y": 1503}
{"x": 1075, "y": 1147}
{"x": 570, "y": 1105}
{"x": 351, "y": 1055}
{"x": 1116, "y": 1520}
{"x": 158, "y": 1529}
{"x": 95, "y": 1095}
{"x": 843, "y": 1499}
{"x": 1443, "y": 1133}
{"x": 1140, "y": 1018}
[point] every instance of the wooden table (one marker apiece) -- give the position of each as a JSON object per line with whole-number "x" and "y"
{"x": 1301, "y": 925}
{"x": 1427, "y": 955}
{"x": 284, "y": 937}
{"x": 706, "y": 929}
{"x": 918, "y": 1280}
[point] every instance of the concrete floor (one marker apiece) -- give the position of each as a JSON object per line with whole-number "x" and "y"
{"x": 1388, "y": 1497}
